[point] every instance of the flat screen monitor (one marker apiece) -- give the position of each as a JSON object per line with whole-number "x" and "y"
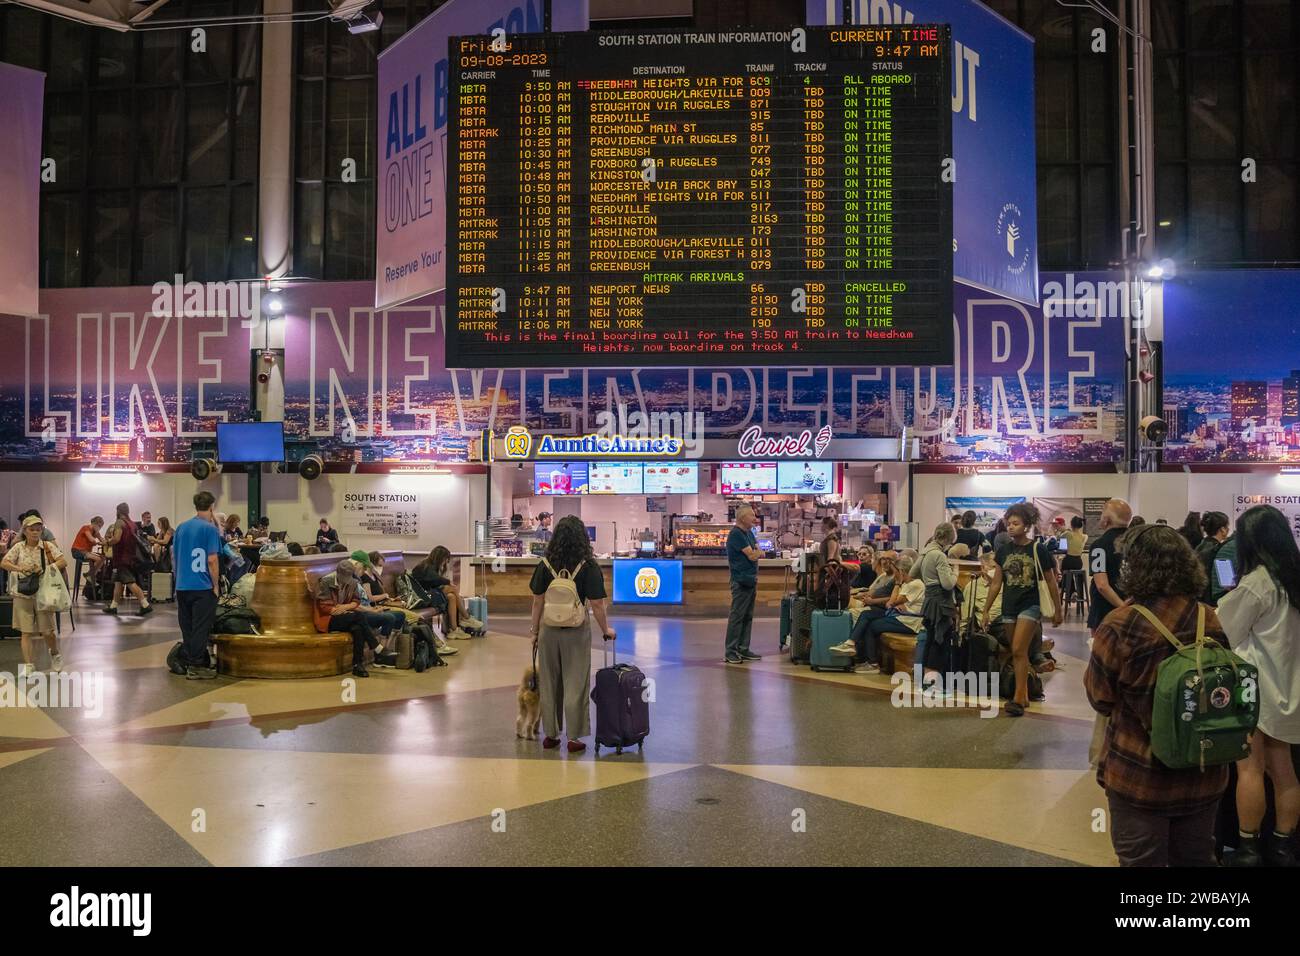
{"x": 1063, "y": 544}
{"x": 647, "y": 547}
{"x": 672, "y": 478}
{"x": 250, "y": 442}
{"x": 591, "y": 533}
{"x": 614, "y": 478}
{"x": 747, "y": 478}
{"x": 560, "y": 478}
{"x": 805, "y": 477}
{"x": 647, "y": 581}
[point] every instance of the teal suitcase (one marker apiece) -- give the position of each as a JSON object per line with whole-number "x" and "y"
{"x": 830, "y": 628}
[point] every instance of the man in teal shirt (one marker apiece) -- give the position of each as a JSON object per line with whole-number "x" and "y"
{"x": 742, "y": 558}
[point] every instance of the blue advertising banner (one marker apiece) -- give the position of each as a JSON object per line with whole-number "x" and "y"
{"x": 995, "y": 198}
{"x": 638, "y": 581}
{"x": 988, "y": 511}
{"x": 411, "y": 217}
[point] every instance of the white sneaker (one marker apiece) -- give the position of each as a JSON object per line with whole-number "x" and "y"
{"x": 847, "y": 647}
{"x": 445, "y": 649}
{"x": 56, "y": 663}
{"x": 25, "y": 671}
{"x": 867, "y": 669}
{"x": 459, "y": 635}
{"x": 473, "y": 623}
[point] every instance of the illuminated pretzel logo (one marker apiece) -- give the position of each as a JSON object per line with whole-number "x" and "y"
{"x": 518, "y": 442}
{"x": 647, "y": 583}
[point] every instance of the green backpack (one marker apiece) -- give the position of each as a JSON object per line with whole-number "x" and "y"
{"x": 1206, "y": 701}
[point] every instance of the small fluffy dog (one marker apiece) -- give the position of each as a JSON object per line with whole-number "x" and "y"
{"x": 530, "y": 706}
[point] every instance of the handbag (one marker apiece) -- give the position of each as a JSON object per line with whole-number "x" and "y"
{"x": 1045, "y": 603}
{"x": 53, "y": 593}
{"x": 29, "y": 584}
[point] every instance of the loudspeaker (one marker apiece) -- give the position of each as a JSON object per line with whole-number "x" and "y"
{"x": 204, "y": 468}
{"x": 311, "y": 467}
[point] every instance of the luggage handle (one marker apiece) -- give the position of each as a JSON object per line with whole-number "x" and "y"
{"x": 607, "y": 648}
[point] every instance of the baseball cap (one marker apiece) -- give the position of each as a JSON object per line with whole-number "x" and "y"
{"x": 31, "y": 520}
{"x": 361, "y": 558}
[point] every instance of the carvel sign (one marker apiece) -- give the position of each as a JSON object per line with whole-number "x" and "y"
{"x": 754, "y": 444}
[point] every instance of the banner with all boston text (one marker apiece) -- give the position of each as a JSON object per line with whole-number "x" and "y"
{"x": 995, "y": 192}
{"x": 411, "y": 208}
{"x": 21, "y": 109}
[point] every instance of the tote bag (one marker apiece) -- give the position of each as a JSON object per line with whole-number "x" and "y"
{"x": 52, "y": 595}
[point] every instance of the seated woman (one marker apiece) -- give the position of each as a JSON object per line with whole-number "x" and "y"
{"x": 901, "y": 614}
{"x": 370, "y": 593}
{"x": 162, "y": 545}
{"x": 230, "y": 530}
{"x": 431, "y": 574}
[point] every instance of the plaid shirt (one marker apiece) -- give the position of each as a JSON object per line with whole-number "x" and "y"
{"x": 1121, "y": 682}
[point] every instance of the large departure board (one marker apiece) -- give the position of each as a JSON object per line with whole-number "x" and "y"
{"x": 679, "y": 198}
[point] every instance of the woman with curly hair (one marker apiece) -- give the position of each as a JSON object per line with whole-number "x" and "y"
{"x": 1262, "y": 618}
{"x": 564, "y": 653}
{"x": 1021, "y": 564}
{"x": 1158, "y": 816}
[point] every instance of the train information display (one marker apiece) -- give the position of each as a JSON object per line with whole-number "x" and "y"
{"x": 678, "y": 198}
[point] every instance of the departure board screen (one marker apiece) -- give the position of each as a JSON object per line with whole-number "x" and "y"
{"x": 680, "y": 198}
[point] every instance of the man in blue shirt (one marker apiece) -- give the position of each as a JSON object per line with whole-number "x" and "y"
{"x": 196, "y": 553}
{"x": 742, "y": 558}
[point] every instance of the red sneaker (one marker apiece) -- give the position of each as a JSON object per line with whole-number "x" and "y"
{"x": 550, "y": 743}
{"x": 576, "y": 746}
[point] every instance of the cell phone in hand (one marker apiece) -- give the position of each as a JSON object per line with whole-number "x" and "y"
{"x": 1225, "y": 573}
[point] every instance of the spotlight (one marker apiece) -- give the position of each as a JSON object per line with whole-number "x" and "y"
{"x": 1156, "y": 272}
{"x": 1154, "y": 429}
{"x": 274, "y": 304}
{"x": 310, "y": 468}
{"x": 204, "y": 468}
{"x": 362, "y": 23}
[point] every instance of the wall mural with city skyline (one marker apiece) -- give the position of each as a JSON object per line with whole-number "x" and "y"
{"x": 1232, "y": 366}
{"x": 98, "y": 381}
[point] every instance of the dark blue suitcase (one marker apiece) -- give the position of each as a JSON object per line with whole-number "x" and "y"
{"x": 828, "y": 629}
{"x": 622, "y": 711}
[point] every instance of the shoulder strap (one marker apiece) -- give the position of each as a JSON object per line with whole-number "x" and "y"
{"x": 548, "y": 567}
{"x": 1166, "y": 633}
{"x": 574, "y": 572}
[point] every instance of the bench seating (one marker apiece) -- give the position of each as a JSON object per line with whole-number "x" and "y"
{"x": 290, "y": 646}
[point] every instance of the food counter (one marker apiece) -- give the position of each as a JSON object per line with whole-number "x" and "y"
{"x": 705, "y": 585}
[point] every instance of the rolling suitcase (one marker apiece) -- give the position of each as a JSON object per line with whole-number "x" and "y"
{"x": 801, "y": 612}
{"x": 478, "y": 607}
{"x": 828, "y": 629}
{"x": 787, "y": 610}
{"x": 622, "y": 712}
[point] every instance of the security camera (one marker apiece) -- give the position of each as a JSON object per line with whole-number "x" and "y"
{"x": 1154, "y": 429}
{"x": 204, "y": 468}
{"x": 263, "y": 378}
{"x": 310, "y": 468}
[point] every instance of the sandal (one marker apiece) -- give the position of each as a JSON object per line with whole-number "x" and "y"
{"x": 1015, "y": 710}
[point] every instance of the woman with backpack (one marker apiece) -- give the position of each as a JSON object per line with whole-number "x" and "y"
{"x": 566, "y": 583}
{"x": 1262, "y": 619}
{"x": 1158, "y": 816}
